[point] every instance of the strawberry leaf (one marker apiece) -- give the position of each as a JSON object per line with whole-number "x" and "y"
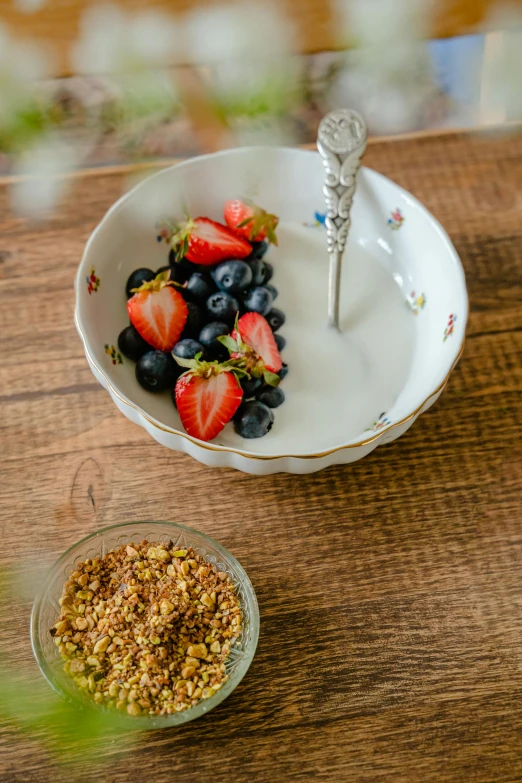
{"x": 245, "y": 222}
{"x": 191, "y": 364}
{"x": 163, "y": 276}
{"x": 271, "y": 378}
{"x": 230, "y": 344}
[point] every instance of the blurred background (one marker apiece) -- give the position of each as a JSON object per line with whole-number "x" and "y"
{"x": 87, "y": 84}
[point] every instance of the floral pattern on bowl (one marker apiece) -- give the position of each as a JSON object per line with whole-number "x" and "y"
{"x": 115, "y": 355}
{"x": 319, "y": 220}
{"x": 448, "y": 331}
{"x": 396, "y": 220}
{"x": 416, "y": 303}
{"x": 382, "y": 421}
{"x": 93, "y": 282}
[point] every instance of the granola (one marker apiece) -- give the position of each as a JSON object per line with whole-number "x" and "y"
{"x": 148, "y": 628}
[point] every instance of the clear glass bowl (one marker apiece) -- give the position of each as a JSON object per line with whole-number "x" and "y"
{"x": 46, "y": 610}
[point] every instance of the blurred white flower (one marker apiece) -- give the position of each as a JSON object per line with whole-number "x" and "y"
{"x": 388, "y": 74}
{"x": 114, "y": 42}
{"x": 248, "y": 46}
{"x": 21, "y": 65}
{"x": 501, "y": 97}
{"x": 134, "y": 50}
{"x": 40, "y": 182}
{"x": 29, "y": 6}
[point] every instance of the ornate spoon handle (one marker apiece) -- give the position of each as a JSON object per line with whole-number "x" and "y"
{"x": 341, "y": 140}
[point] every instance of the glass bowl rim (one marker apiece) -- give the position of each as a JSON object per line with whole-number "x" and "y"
{"x": 149, "y": 721}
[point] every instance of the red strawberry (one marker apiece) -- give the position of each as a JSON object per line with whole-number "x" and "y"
{"x": 254, "y": 330}
{"x": 203, "y": 241}
{"x": 207, "y": 397}
{"x": 158, "y": 312}
{"x": 250, "y": 221}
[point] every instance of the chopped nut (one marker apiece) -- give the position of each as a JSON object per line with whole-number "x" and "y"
{"x": 61, "y": 626}
{"x": 85, "y": 595}
{"x": 133, "y": 638}
{"x": 197, "y": 651}
{"x": 158, "y": 553}
{"x": 207, "y": 600}
{"x": 166, "y": 607}
{"x": 102, "y": 644}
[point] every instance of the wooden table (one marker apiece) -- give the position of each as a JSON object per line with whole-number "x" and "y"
{"x": 390, "y": 590}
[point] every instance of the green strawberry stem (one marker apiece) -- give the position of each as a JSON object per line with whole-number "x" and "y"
{"x": 160, "y": 281}
{"x": 206, "y": 369}
{"x": 251, "y": 361}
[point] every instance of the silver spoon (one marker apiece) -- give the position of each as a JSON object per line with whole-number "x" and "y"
{"x": 341, "y": 140}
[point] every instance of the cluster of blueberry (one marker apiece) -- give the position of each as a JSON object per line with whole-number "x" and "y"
{"x": 214, "y": 296}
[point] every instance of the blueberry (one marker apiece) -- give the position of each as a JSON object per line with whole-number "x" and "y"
{"x": 232, "y": 276}
{"x": 194, "y": 321}
{"x": 280, "y": 341}
{"x": 188, "y": 348}
{"x": 283, "y": 372}
{"x": 258, "y": 250}
{"x": 250, "y": 386}
{"x": 258, "y": 268}
{"x": 222, "y": 307}
{"x": 253, "y": 420}
{"x": 156, "y": 371}
{"x": 271, "y": 396}
{"x": 198, "y": 286}
{"x": 259, "y": 300}
{"x": 138, "y": 277}
{"x": 208, "y": 338}
{"x": 273, "y": 290}
{"x": 163, "y": 269}
{"x": 276, "y": 319}
{"x": 269, "y": 271}
{"x": 131, "y": 344}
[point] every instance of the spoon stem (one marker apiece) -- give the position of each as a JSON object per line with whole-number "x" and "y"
{"x": 334, "y": 287}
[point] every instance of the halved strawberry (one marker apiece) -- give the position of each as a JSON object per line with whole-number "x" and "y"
{"x": 250, "y": 221}
{"x": 253, "y": 330}
{"x": 158, "y": 312}
{"x": 203, "y": 241}
{"x": 207, "y": 397}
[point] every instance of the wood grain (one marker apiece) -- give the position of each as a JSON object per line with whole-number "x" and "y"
{"x": 390, "y": 590}
{"x": 56, "y": 24}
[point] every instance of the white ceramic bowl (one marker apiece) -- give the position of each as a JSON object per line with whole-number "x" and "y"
{"x": 390, "y": 228}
